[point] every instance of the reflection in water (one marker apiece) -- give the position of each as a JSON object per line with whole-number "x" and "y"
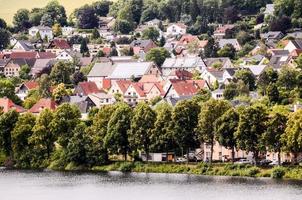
{"x": 16, "y": 185}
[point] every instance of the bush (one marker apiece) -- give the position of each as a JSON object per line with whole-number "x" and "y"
{"x": 204, "y": 167}
{"x": 278, "y": 172}
{"x": 126, "y": 167}
{"x": 253, "y": 171}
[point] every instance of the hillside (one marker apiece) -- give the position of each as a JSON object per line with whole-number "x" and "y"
{"x": 9, "y": 7}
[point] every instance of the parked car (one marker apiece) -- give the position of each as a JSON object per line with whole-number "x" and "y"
{"x": 265, "y": 162}
{"x": 274, "y": 163}
{"x": 244, "y": 161}
{"x": 181, "y": 159}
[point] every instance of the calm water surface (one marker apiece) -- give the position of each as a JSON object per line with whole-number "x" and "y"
{"x": 23, "y": 185}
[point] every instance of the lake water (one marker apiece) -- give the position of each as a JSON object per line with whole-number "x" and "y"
{"x": 28, "y": 185}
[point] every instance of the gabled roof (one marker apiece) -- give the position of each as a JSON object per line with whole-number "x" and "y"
{"x": 106, "y": 84}
{"x": 31, "y": 85}
{"x": 21, "y": 62}
{"x": 256, "y": 69}
{"x": 218, "y": 74}
{"x": 224, "y": 42}
{"x": 101, "y": 69}
{"x": 123, "y": 85}
{"x": 6, "y": 104}
{"x": 88, "y": 88}
{"x": 181, "y": 74}
{"x": 187, "y": 87}
{"x": 210, "y": 61}
{"x": 130, "y": 69}
{"x": 27, "y": 46}
{"x": 45, "y": 28}
{"x": 59, "y": 43}
{"x": 42, "y": 104}
{"x": 224, "y": 28}
{"x": 297, "y": 43}
{"x": 181, "y": 25}
{"x": 183, "y": 62}
{"x": 23, "y": 55}
{"x": 150, "y": 78}
{"x": 40, "y": 65}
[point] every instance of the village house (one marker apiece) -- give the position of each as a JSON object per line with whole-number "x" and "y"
{"x": 86, "y": 88}
{"x": 13, "y": 66}
{"x": 220, "y": 62}
{"x": 184, "y": 88}
{"x": 44, "y": 31}
{"x": 212, "y": 76}
{"x": 293, "y": 45}
{"x": 68, "y": 30}
{"x": 22, "y": 45}
{"x": 233, "y": 42}
{"x": 176, "y": 29}
{"x": 142, "y": 46}
{"x": 182, "y": 47}
{"x": 24, "y": 88}
{"x": 183, "y": 63}
{"x": 40, "y": 66}
{"x": 7, "y": 104}
{"x": 221, "y": 30}
{"x": 101, "y": 99}
{"x": 43, "y": 104}
{"x": 58, "y": 45}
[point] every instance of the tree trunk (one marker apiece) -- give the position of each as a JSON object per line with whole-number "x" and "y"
{"x": 187, "y": 155}
{"x": 212, "y": 151}
{"x": 255, "y": 157}
{"x": 125, "y": 155}
{"x": 233, "y": 154}
{"x": 294, "y": 161}
{"x": 279, "y": 157}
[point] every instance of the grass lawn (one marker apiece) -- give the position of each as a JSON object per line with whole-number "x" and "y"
{"x": 9, "y": 7}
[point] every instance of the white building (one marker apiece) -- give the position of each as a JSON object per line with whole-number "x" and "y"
{"x": 67, "y": 30}
{"x": 45, "y": 32}
{"x": 176, "y": 29}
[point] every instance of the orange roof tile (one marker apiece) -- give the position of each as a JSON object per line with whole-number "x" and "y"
{"x": 6, "y": 104}
{"x": 42, "y": 104}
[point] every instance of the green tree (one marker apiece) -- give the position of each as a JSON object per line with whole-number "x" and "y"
{"x": 225, "y": 128}
{"x": 243, "y": 37}
{"x": 293, "y": 134}
{"x": 122, "y": 26}
{"x": 60, "y": 91}
{"x": 158, "y": 55}
{"x": 7, "y": 89}
{"x": 86, "y": 17}
{"x": 116, "y": 139}
{"x": 3, "y": 23}
{"x": 79, "y": 146}
{"x": 4, "y": 38}
{"x": 44, "y": 86}
{"x": 84, "y": 48}
{"x": 42, "y": 140}
{"x": 299, "y": 61}
{"x": 57, "y": 29}
{"x": 7, "y": 123}
{"x": 287, "y": 78}
{"x": 95, "y": 34}
{"x": 151, "y": 33}
{"x": 66, "y": 118}
{"x": 20, "y": 140}
{"x": 21, "y": 20}
{"x": 276, "y": 125}
{"x": 268, "y": 76}
{"x": 247, "y": 77}
{"x": 60, "y": 73}
{"x": 210, "y": 112}
{"x": 210, "y": 49}
{"x": 56, "y": 12}
{"x": 273, "y": 93}
{"x": 46, "y": 20}
{"x": 227, "y": 51}
{"x": 251, "y": 127}
{"x": 142, "y": 124}
{"x": 24, "y": 72}
{"x": 185, "y": 120}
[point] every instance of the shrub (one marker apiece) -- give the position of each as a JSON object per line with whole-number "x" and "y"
{"x": 278, "y": 172}
{"x": 204, "y": 167}
{"x": 253, "y": 171}
{"x": 126, "y": 167}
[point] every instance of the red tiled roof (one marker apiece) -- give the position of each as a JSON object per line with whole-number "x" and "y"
{"x": 296, "y": 52}
{"x": 42, "y": 104}
{"x": 223, "y": 28}
{"x": 31, "y": 85}
{"x": 187, "y": 88}
{"x": 6, "y": 104}
{"x": 46, "y": 55}
{"x": 150, "y": 78}
{"x": 123, "y": 85}
{"x": 106, "y": 84}
{"x": 182, "y": 74}
{"x": 24, "y": 55}
{"x": 60, "y": 44}
{"x": 89, "y": 88}
{"x": 139, "y": 89}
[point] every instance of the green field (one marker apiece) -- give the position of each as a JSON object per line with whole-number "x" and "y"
{"x": 9, "y": 7}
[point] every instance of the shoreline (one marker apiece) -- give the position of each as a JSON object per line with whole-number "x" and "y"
{"x": 200, "y": 169}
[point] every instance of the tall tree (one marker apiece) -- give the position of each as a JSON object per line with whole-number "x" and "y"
{"x": 185, "y": 120}
{"x": 142, "y": 124}
{"x": 61, "y": 72}
{"x": 4, "y": 38}
{"x": 251, "y": 127}
{"x": 66, "y": 118}
{"x": 210, "y": 112}
{"x": 247, "y": 77}
{"x": 151, "y": 33}
{"x": 44, "y": 86}
{"x": 20, "y": 140}
{"x": 42, "y": 140}
{"x": 7, "y": 123}
{"x": 225, "y": 128}
{"x": 162, "y": 137}
{"x": 21, "y": 20}
{"x": 116, "y": 139}
{"x": 86, "y": 17}
{"x": 292, "y": 138}
{"x": 276, "y": 125}
{"x": 56, "y": 12}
